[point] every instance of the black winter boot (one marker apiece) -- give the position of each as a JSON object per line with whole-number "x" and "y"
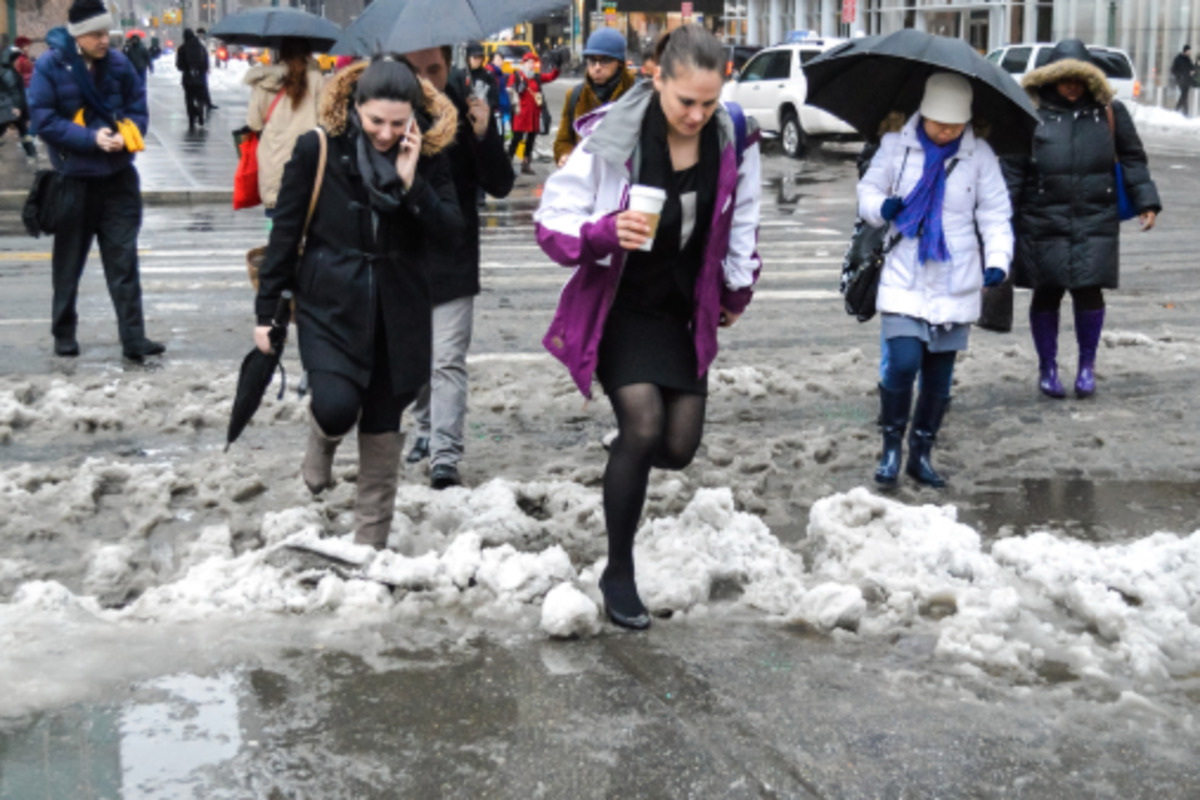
{"x": 927, "y": 419}
{"x": 894, "y": 408}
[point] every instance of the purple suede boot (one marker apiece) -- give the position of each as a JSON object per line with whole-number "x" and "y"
{"x": 1044, "y": 325}
{"x": 1088, "y": 325}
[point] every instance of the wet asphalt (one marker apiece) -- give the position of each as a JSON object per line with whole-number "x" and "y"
{"x": 728, "y": 708}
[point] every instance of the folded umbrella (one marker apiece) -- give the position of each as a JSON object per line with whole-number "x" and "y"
{"x": 864, "y": 80}
{"x": 402, "y": 26}
{"x": 268, "y": 27}
{"x": 258, "y": 369}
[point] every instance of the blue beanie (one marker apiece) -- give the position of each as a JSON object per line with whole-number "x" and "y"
{"x": 606, "y": 42}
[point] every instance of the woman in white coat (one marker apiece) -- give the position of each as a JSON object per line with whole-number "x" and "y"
{"x": 936, "y": 185}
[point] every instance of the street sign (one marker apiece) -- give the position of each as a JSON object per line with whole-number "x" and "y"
{"x": 849, "y": 10}
{"x": 686, "y": 10}
{"x": 609, "y": 6}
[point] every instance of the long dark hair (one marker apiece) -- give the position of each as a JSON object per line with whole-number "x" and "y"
{"x": 294, "y": 55}
{"x": 690, "y": 46}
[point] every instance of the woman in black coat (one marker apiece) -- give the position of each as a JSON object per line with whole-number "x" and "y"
{"x": 1064, "y": 198}
{"x": 364, "y": 313}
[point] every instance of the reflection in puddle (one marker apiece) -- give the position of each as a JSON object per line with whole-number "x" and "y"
{"x": 164, "y": 743}
{"x": 1091, "y": 510}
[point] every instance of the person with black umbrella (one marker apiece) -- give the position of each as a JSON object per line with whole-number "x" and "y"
{"x": 939, "y": 188}
{"x": 363, "y": 305}
{"x": 1065, "y": 202}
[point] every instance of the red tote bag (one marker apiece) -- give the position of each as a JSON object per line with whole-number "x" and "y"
{"x": 245, "y": 178}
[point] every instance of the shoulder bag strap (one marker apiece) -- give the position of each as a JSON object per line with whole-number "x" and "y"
{"x": 316, "y": 194}
{"x": 1112, "y": 130}
{"x": 271, "y": 110}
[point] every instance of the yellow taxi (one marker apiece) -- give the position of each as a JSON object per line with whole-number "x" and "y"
{"x": 512, "y": 50}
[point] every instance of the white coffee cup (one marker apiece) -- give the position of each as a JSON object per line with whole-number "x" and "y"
{"x": 647, "y": 200}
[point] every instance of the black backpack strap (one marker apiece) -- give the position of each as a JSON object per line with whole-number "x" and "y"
{"x": 572, "y": 101}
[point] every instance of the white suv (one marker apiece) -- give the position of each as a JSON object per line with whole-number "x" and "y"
{"x": 771, "y": 88}
{"x": 1019, "y": 59}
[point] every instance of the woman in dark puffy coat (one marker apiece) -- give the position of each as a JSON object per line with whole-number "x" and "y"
{"x": 1064, "y": 198}
{"x": 364, "y": 314}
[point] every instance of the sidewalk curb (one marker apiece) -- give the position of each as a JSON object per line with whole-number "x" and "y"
{"x": 12, "y": 200}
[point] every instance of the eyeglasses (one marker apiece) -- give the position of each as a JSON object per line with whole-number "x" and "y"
{"x": 600, "y": 60}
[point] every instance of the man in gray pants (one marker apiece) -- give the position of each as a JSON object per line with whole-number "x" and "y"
{"x": 478, "y": 162}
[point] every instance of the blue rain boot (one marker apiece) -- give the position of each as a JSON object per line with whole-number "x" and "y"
{"x": 1088, "y": 325}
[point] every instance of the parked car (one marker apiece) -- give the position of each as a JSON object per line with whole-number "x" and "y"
{"x": 1019, "y": 59}
{"x": 772, "y": 89}
{"x": 512, "y": 51}
{"x": 736, "y": 56}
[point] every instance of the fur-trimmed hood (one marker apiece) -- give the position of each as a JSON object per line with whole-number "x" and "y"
{"x": 334, "y": 110}
{"x": 1065, "y": 69}
{"x": 270, "y": 76}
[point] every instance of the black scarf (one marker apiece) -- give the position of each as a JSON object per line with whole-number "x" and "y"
{"x": 656, "y": 170}
{"x": 378, "y": 171}
{"x": 604, "y": 91}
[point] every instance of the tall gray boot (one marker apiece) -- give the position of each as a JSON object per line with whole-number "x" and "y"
{"x": 378, "y": 463}
{"x": 317, "y": 468}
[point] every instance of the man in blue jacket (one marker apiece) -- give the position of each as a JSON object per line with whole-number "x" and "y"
{"x": 79, "y": 74}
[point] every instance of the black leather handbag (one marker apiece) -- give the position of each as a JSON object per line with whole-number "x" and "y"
{"x": 861, "y": 267}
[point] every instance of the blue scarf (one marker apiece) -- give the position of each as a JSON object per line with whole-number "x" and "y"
{"x": 922, "y": 213}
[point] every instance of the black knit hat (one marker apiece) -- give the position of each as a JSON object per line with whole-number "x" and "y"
{"x": 88, "y": 16}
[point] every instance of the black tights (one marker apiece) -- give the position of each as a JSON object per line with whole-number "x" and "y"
{"x": 1049, "y": 298}
{"x": 656, "y": 428}
{"x": 338, "y": 402}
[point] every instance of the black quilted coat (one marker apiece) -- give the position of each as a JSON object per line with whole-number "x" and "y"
{"x": 1064, "y": 194}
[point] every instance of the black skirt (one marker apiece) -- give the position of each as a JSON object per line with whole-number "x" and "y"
{"x": 643, "y": 347}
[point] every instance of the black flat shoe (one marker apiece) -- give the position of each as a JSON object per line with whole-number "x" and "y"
{"x": 443, "y": 476}
{"x": 66, "y": 347}
{"x": 137, "y": 350}
{"x": 419, "y": 452}
{"x": 635, "y": 616}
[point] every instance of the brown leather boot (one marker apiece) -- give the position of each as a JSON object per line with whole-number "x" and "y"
{"x": 378, "y": 467}
{"x": 317, "y": 469}
{"x": 526, "y": 167}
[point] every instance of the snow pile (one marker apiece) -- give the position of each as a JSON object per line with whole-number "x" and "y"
{"x": 568, "y": 612}
{"x": 1160, "y": 120}
{"x": 530, "y": 554}
{"x": 1099, "y": 610}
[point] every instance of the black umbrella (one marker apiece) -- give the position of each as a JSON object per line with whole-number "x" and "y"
{"x": 258, "y": 368}
{"x": 268, "y": 27}
{"x": 401, "y": 26}
{"x": 864, "y": 80}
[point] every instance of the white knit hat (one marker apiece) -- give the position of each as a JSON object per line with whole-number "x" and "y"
{"x": 89, "y": 16}
{"x": 947, "y": 99}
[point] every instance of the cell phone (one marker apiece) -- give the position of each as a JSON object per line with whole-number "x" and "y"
{"x": 407, "y": 130}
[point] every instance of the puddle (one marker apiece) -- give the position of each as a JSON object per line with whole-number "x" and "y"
{"x": 1097, "y": 511}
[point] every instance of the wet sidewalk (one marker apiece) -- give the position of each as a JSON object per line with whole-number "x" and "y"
{"x": 181, "y": 166}
{"x": 177, "y": 165}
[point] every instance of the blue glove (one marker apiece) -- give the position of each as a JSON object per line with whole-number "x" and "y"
{"x": 891, "y": 207}
{"x": 993, "y": 276}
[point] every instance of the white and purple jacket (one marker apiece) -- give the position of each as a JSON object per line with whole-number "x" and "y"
{"x": 576, "y": 226}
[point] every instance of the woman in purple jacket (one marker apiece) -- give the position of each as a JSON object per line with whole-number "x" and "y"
{"x": 645, "y": 322}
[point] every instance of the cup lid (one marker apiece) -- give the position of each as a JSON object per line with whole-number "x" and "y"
{"x": 647, "y": 191}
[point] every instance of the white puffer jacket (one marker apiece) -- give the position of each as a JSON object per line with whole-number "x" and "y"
{"x": 976, "y": 198}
